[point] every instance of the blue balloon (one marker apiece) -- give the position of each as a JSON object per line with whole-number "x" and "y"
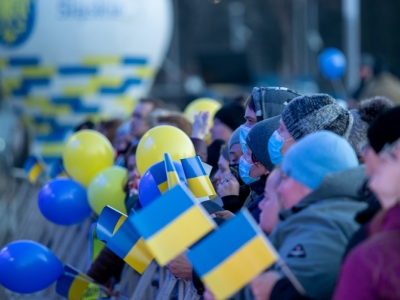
{"x": 332, "y": 63}
{"x": 28, "y": 267}
{"x": 148, "y": 188}
{"x": 64, "y": 201}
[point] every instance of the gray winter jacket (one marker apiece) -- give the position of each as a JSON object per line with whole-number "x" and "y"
{"x": 312, "y": 236}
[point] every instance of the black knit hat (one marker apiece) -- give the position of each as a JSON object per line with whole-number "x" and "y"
{"x": 385, "y": 129}
{"x": 310, "y": 113}
{"x": 270, "y": 101}
{"x": 231, "y": 114}
{"x": 258, "y": 138}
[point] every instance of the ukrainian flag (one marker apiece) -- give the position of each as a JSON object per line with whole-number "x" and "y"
{"x": 72, "y": 284}
{"x": 198, "y": 181}
{"x": 172, "y": 175}
{"x": 160, "y": 176}
{"x": 122, "y": 238}
{"x": 33, "y": 168}
{"x": 57, "y": 170}
{"x": 110, "y": 220}
{"x": 231, "y": 256}
{"x": 172, "y": 223}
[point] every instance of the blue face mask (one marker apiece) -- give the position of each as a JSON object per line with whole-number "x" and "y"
{"x": 244, "y": 131}
{"x": 275, "y": 145}
{"x": 244, "y": 171}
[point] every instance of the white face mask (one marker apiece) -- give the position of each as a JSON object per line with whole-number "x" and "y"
{"x": 244, "y": 131}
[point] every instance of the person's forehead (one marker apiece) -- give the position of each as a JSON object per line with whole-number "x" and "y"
{"x": 249, "y": 112}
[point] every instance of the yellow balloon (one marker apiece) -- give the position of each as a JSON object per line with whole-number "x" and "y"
{"x": 107, "y": 188}
{"x": 202, "y": 104}
{"x": 159, "y": 140}
{"x": 86, "y": 153}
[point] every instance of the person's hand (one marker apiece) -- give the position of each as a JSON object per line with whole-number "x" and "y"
{"x": 262, "y": 285}
{"x": 180, "y": 267}
{"x": 228, "y": 186}
{"x": 201, "y": 125}
{"x": 224, "y": 214}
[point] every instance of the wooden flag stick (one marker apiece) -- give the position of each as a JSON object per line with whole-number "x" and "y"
{"x": 289, "y": 274}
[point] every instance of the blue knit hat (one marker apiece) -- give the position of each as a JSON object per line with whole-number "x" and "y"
{"x": 235, "y": 138}
{"x": 309, "y": 160}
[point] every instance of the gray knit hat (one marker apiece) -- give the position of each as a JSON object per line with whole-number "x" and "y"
{"x": 258, "y": 138}
{"x": 235, "y": 137}
{"x": 366, "y": 113}
{"x": 358, "y": 132}
{"x": 310, "y": 113}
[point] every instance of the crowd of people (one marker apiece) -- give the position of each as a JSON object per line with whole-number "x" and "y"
{"x": 319, "y": 179}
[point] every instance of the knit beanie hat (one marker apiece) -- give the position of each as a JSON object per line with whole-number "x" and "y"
{"x": 270, "y": 101}
{"x": 310, "y": 113}
{"x": 318, "y": 154}
{"x": 235, "y": 138}
{"x": 231, "y": 114}
{"x": 258, "y": 137}
{"x": 366, "y": 113}
{"x": 385, "y": 129}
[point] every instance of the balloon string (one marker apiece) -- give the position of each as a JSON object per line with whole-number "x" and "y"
{"x": 102, "y": 287}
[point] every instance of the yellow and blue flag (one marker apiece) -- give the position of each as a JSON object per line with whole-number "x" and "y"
{"x": 34, "y": 168}
{"x": 73, "y": 283}
{"x": 196, "y": 176}
{"x": 231, "y": 256}
{"x": 57, "y": 170}
{"x": 160, "y": 176}
{"x": 172, "y": 223}
{"x": 123, "y": 239}
{"x": 110, "y": 220}
{"x": 172, "y": 175}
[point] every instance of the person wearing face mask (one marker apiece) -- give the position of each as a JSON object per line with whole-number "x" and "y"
{"x": 264, "y": 103}
{"x": 304, "y": 115}
{"x": 254, "y": 167}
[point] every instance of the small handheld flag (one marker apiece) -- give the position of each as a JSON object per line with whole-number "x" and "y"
{"x": 231, "y": 256}
{"x": 73, "y": 283}
{"x": 198, "y": 181}
{"x": 123, "y": 239}
{"x": 172, "y": 223}
{"x": 172, "y": 175}
{"x": 160, "y": 176}
{"x": 108, "y": 223}
{"x": 34, "y": 168}
{"x": 57, "y": 170}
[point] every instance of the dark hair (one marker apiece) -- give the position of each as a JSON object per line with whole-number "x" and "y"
{"x": 129, "y": 152}
{"x": 250, "y": 103}
{"x": 85, "y": 125}
{"x": 110, "y": 127}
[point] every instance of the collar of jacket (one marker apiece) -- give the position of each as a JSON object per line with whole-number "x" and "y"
{"x": 339, "y": 185}
{"x": 259, "y": 185}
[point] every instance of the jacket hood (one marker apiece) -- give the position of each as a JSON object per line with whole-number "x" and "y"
{"x": 343, "y": 185}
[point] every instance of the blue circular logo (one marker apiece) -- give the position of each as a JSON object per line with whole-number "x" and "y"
{"x": 16, "y": 21}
